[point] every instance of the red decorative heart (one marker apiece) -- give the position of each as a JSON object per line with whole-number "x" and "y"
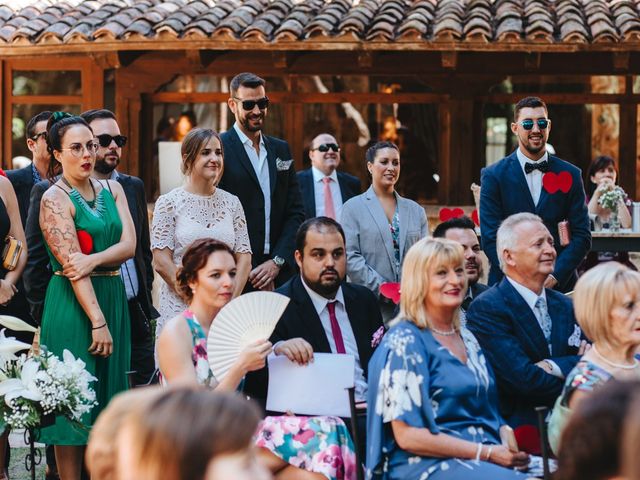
{"x": 86, "y": 242}
{"x": 449, "y": 213}
{"x": 391, "y": 291}
{"x": 474, "y": 217}
{"x": 552, "y": 182}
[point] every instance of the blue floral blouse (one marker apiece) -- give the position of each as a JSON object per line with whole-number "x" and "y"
{"x": 414, "y": 379}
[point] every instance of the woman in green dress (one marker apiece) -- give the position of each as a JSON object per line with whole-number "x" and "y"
{"x": 89, "y": 233}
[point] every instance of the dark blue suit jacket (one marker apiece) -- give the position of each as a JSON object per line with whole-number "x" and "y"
{"x": 513, "y": 343}
{"x": 505, "y": 192}
{"x": 350, "y": 186}
{"x": 240, "y": 179}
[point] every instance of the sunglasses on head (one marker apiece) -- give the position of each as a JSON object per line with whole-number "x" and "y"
{"x": 527, "y": 124}
{"x": 105, "y": 140}
{"x": 249, "y": 105}
{"x": 38, "y": 135}
{"x": 325, "y": 147}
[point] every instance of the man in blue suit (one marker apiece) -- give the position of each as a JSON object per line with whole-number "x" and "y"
{"x": 527, "y": 332}
{"x": 323, "y": 178}
{"x": 531, "y": 180}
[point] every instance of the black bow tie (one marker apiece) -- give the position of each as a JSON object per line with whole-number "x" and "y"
{"x": 543, "y": 166}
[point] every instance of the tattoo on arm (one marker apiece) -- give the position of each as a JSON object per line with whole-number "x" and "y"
{"x": 58, "y": 228}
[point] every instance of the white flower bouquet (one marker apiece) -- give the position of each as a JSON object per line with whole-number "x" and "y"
{"x": 610, "y": 197}
{"x": 38, "y": 385}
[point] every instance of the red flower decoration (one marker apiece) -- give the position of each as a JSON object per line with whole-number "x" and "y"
{"x": 449, "y": 213}
{"x": 552, "y": 182}
{"x": 391, "y": 291}
{"x": 86, "y": 242}
{"x": 474, "y": 217}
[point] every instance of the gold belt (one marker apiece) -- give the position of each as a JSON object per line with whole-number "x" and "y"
{"x": 97, "y": 273}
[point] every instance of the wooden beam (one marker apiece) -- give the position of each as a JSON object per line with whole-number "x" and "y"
{"x": 126, "y": 58}
{"x": 621, "y": 61}
{"x": 46, "y": 99}
{"x": 567, "y": 98}
{"x": 106, "y": 60}
{"x": 628, "y": 150}
{"x": 444, "y": 146}
{"x": 449, "y": 60}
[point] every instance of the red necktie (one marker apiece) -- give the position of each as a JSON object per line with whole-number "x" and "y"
{"x": 329, "y": 209}
{"x": 335, "y": 328}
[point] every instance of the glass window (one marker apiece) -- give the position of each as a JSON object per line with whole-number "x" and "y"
{"x": 47, "y": 82}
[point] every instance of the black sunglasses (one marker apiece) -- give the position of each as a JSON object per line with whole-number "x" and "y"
{"x": 325, "y": 147}
{"x": 38, "y": 135}
{"x": 105, "y": 140}
{"x": 249, "y": 105}
{"x": 527, "y": 124}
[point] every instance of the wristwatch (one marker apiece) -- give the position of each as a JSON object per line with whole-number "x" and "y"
{"x": 279, "y": 261}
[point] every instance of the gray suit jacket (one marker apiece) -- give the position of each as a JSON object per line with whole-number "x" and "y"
{"x": 370, "y": 255}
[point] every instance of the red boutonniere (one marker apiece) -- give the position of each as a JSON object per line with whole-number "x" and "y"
{"x": 449, "y": 213}
{"x": 391, "y": 291}
{"x": 553, "y": 182}
{"x": 86, "y": 242}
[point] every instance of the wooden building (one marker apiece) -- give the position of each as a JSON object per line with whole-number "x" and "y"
{"x": 437, "y": 76}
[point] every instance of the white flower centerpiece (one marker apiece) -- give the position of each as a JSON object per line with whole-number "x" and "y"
{"x": 40, "y": 384}
{"x": 611, "y": 198}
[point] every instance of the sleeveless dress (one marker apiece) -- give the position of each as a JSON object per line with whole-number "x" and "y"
{"x": 316, "y": 444}
{"x": 66, "y": 326}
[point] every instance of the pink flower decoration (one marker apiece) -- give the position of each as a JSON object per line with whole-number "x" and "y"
{"x": 304, "y": 436}
{"x": 377, "y": 337}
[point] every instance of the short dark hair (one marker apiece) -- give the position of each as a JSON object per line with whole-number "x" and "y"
{"x": 97, "y": 114}
{"x": 318, "y": 224}
{"x": 193, "y": 260}
{"x": 370, "y": 155}
{"x": 528, "y": 102}
{"x": 590, "y": 444}
{"x": 460, "y": 222}
{"x": 599, "y": 163}
{"x": 247, "y": 80}
{"x": 31, "y": 124}
{"x": 57, "y": 126}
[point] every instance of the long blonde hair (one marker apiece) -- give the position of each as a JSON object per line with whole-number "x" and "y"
{"x": 423, "y": 257}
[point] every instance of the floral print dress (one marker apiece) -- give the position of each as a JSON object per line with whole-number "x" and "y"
{"x": 316, "y": 444}
{"x": 416, "y": 380}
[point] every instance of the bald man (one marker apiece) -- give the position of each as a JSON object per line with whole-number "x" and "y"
{"x": 324, "y": 189}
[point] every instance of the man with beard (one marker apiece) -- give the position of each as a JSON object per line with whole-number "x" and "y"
{"x": 462, "y": 230}
{"x": 137, "y": 272}
{"x": 324, "y": 189}
{"x": 259, "y": 170}
{"x": 515, "y": 184}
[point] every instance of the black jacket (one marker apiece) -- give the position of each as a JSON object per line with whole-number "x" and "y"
{"x": 350, "y": 186}
{"x": 22, "y": 181}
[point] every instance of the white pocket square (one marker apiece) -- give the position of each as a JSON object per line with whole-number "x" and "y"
{"x": 283, "y": 165}
{"x": 574, "y": 339}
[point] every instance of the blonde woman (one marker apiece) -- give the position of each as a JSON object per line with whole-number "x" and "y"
{"x": 433, "y": 405}
{"x": 607, "y": 307}
{"x": 196, "y": 210}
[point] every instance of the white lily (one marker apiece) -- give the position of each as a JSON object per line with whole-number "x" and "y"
{"x": 9, "y": 346}
{"x": 14, "y": 323}
{"x": 25, "y": 386}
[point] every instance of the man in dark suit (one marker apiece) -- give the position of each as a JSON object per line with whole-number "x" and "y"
{"x": 462, "y": 230}
{"x": 323, "y": 188}
{"x": 25, "y": 178}
{"x": 259, "y": 170}
{"x": 527, "y": 332}
{"x": 137, "y": 273}
{"x": 515, "y": 184}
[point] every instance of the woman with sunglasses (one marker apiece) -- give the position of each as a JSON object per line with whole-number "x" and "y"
{"x": 196, "y": 210}
{"x": 88, "y": 233}
{"x": 380, "y": 226}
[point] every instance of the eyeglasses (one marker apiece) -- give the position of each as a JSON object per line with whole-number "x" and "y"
{"x": 105, "y": 140}
{"x": 38, "y": 135}
{"x": 249, "y": 105}
{"x": 77, "y": 149}
{"x": 325, "y": 147}
{"x": 527, "y": 124}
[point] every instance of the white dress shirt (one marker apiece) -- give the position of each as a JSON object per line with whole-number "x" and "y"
{"x": 349, "y": 339}
{"x": 259, "y": 162}
{"x": 318, "y": 191}
{"x": 531, "y": 298}
{"x": 534, "y": 179}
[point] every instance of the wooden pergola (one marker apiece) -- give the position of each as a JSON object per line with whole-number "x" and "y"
{"x": 461, "y": 52}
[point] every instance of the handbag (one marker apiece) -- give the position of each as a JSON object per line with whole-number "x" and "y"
{"x": 11, "y": 252}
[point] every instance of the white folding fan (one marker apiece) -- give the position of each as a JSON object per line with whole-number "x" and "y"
{"x": 250, "y": 317}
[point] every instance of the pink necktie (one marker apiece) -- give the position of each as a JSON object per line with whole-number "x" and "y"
{"x": 335, "y": 328}
{"x": 329, "y": 209}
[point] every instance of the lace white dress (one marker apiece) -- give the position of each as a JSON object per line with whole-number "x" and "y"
{"x": 179, "y": 218}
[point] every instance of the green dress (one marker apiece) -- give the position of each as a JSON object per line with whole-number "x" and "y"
{"x": 66, "y": 326}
